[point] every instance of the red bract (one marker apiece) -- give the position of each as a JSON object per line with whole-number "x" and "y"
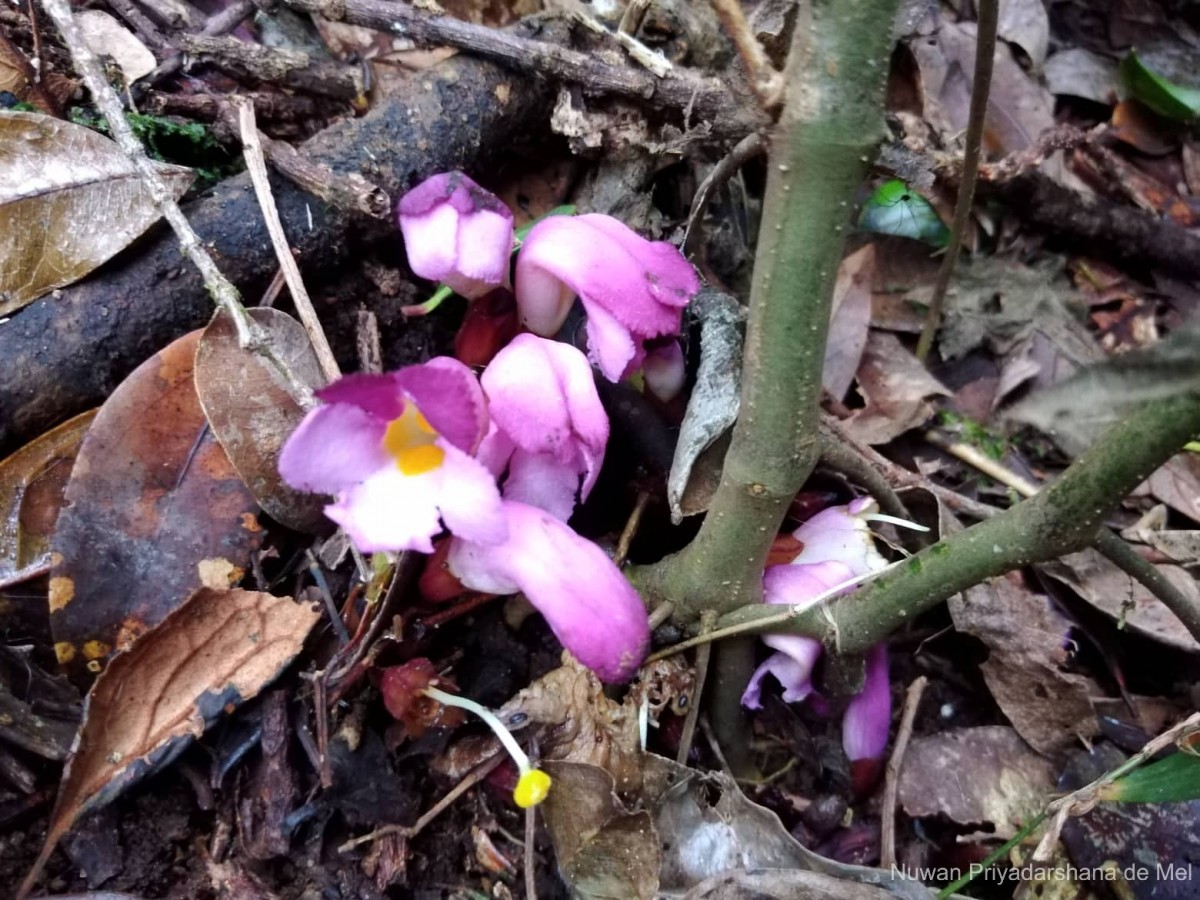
{"x": 403, "y": 688}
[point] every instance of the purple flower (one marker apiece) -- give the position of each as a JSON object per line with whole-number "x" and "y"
{"x": 548, "y": 426}
{"x": 632, "y": 289}
{"x": 839, "y": 549}
{"x": 457, "y": 233}
{"x": 586, "y": 600}
{"x": 395, "y": 450}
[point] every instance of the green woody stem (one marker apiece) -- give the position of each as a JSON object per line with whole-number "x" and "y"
{"x": 827, "y": 134}
{"x": 1063, "y": 518}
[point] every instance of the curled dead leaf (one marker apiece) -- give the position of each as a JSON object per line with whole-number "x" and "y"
{"x": 31, "y": 492}
{"x": 252, "y": 412}
{"x": 217, "y": 650}
{"x": 69, "y": 201}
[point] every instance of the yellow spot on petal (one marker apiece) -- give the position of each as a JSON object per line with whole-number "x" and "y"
{"x": 65, "y": 652}
{"x": 421, "y": 459}
{"x": 532, "y": 788}
{"x": 410, "y": 441}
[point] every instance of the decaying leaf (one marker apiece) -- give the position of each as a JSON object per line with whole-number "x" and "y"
{"x": 713, "y": 406}
{"x": 1026, "y": 24}
{"x": 69, "y": 201}
{"x": 1078, "y": 72}
{"x": 31, "y": 492}
{"x": 782, "y": 884}
{"x": 1099, "y": 394}
{"x": 1049, "y": 707}
{"x": 106, "y": 36}
{"x": 975, "y": 776}
{"x": 217, "y": 650}
{"x": 1111, "y": 591}
{"x": 896, "y": 388}
{"x": 1161, "y": 837}
{"x": 850, "y": 321}
{"x": 1177, "y": 484}
{"x": 1019, "y": 110}
{"x": 252, "y": 412}
{"x": 151, "y": 497}
{"x": 603, "y": 848}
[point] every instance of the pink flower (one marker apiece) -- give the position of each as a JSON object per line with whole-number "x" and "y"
{"x": 586, "y": 600}
{"x": 548, "y": 426}
{"x": 395, "y": 449}
{"x": 457, "y": 233}
{"x": 632, "y": 289}
{"x": 838, "y": 550}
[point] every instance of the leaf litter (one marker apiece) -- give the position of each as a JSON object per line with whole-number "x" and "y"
{"x": 627, "y": 822}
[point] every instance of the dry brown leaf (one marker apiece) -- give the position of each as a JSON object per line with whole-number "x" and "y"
{"x": 1077, "y": 72}
{"x": 1026, "y": 24}
{"x": 975, "y": 776}
{"x": 69, "y": 201}
{"x": 896, "y": 388}
{"x": 252, "y": 412}
{"x": 850, "y": 321}
{"x": 1019, "y": 110}
{"x": 152, "y": 496}
{"x": 105, "y": 36}
{"x": 1049, "y": 707}
{"x": 583, "y": 725}
{"x": 219, "y": 649}
{"x": 31, "y": 492}
{"x": 1177, "y": 484}
{"x": 1111, "y": 591}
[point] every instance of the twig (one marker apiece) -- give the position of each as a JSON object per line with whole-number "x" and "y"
{"x": 710, "y": 98}
{"x": 985, "y": 51}
{"x": 708, "y": 619}
{"x": 222, "y": 23}
{"x": 1083, "y": 800}
{"x": 766, "y": 81}
{"x": 746, "y": 149}
{"x": 278, "y": 65}
{"x": 891, "y": 787}
{"x": 985, "y": 464}
{"x": 631, "y": 528}
{"x": 350, "y": 191}
{"x": 471, "y": 779}
{"x": 224, "y": 294}
{"x": 530, "y": 853}
{"x": 257, "y": 167}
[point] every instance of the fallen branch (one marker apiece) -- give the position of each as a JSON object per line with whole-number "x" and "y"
{"x": 65, "y": 353}
{"x": 708, "y": 100}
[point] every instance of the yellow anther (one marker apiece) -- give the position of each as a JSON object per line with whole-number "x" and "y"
{"x": 532, "y": 788}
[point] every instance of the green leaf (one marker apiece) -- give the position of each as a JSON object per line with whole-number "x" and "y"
{"x": 1165, "y": 97}
{"x": 1170, "y": 780}
{"x": 896, "y": 209}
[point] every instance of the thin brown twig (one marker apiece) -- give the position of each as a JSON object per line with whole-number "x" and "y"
{"x": 764, "y": 78}
{"x": 891, "y": 788}
{"x": 222, "y": 23}
{"x": 711, "y": 99}
{"x": 708, "y": 619}
{"x": 471, "y": 779}
{"x": 530, "y": 853}
{"x": 747, "y": 148}
{"x": 631, "y": 528}
{"x": 985, "y": 51}
{"x": 224, "y": 294}
{"x": 257, "y": 167}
